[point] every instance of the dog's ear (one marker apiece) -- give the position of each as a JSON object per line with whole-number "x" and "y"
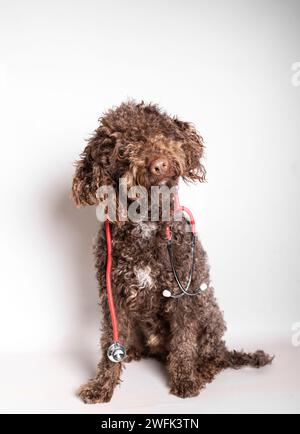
{"x": 193, "y": 148}
{"x": 92, "y": 169}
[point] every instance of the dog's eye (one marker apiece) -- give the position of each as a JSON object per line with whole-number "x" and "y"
{"x": 119, "y": 153}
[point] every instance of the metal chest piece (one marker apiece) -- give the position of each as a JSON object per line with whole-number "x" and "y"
{"x": 116, "y": 352}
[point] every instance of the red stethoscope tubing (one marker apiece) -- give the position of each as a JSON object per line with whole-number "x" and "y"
{"x": 181, "y": 208}
{"x": 110, "y": 297}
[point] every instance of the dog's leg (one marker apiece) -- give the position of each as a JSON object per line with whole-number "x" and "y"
{"x": 184, "y": 378}
{"x": 101, "y": 387}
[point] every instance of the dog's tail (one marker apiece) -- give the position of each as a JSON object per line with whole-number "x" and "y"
{"x": 238, "y": 359}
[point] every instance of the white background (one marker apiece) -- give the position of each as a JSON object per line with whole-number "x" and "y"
{"x": 226, "y": 67}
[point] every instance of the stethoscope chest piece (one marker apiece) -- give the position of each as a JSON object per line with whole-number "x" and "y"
{"x": 116, "y": 352}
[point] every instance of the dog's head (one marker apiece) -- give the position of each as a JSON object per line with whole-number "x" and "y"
{"x": 141, "y": 144}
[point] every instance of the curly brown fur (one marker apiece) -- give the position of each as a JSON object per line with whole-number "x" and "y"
{"x": 186, "y": 334}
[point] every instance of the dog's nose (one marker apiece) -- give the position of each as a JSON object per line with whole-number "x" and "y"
{"x": 159, "y": 166}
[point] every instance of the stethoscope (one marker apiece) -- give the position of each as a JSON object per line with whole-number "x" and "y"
{"x": 183, "y": 290}
{"x": 117, "y": 351}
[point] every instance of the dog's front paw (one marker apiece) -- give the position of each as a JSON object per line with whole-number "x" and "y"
{"x": 186, "y": 388}
{"x": 94, "y": 393}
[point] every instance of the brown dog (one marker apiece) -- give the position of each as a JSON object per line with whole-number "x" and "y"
{"x": 146, "y": 147}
